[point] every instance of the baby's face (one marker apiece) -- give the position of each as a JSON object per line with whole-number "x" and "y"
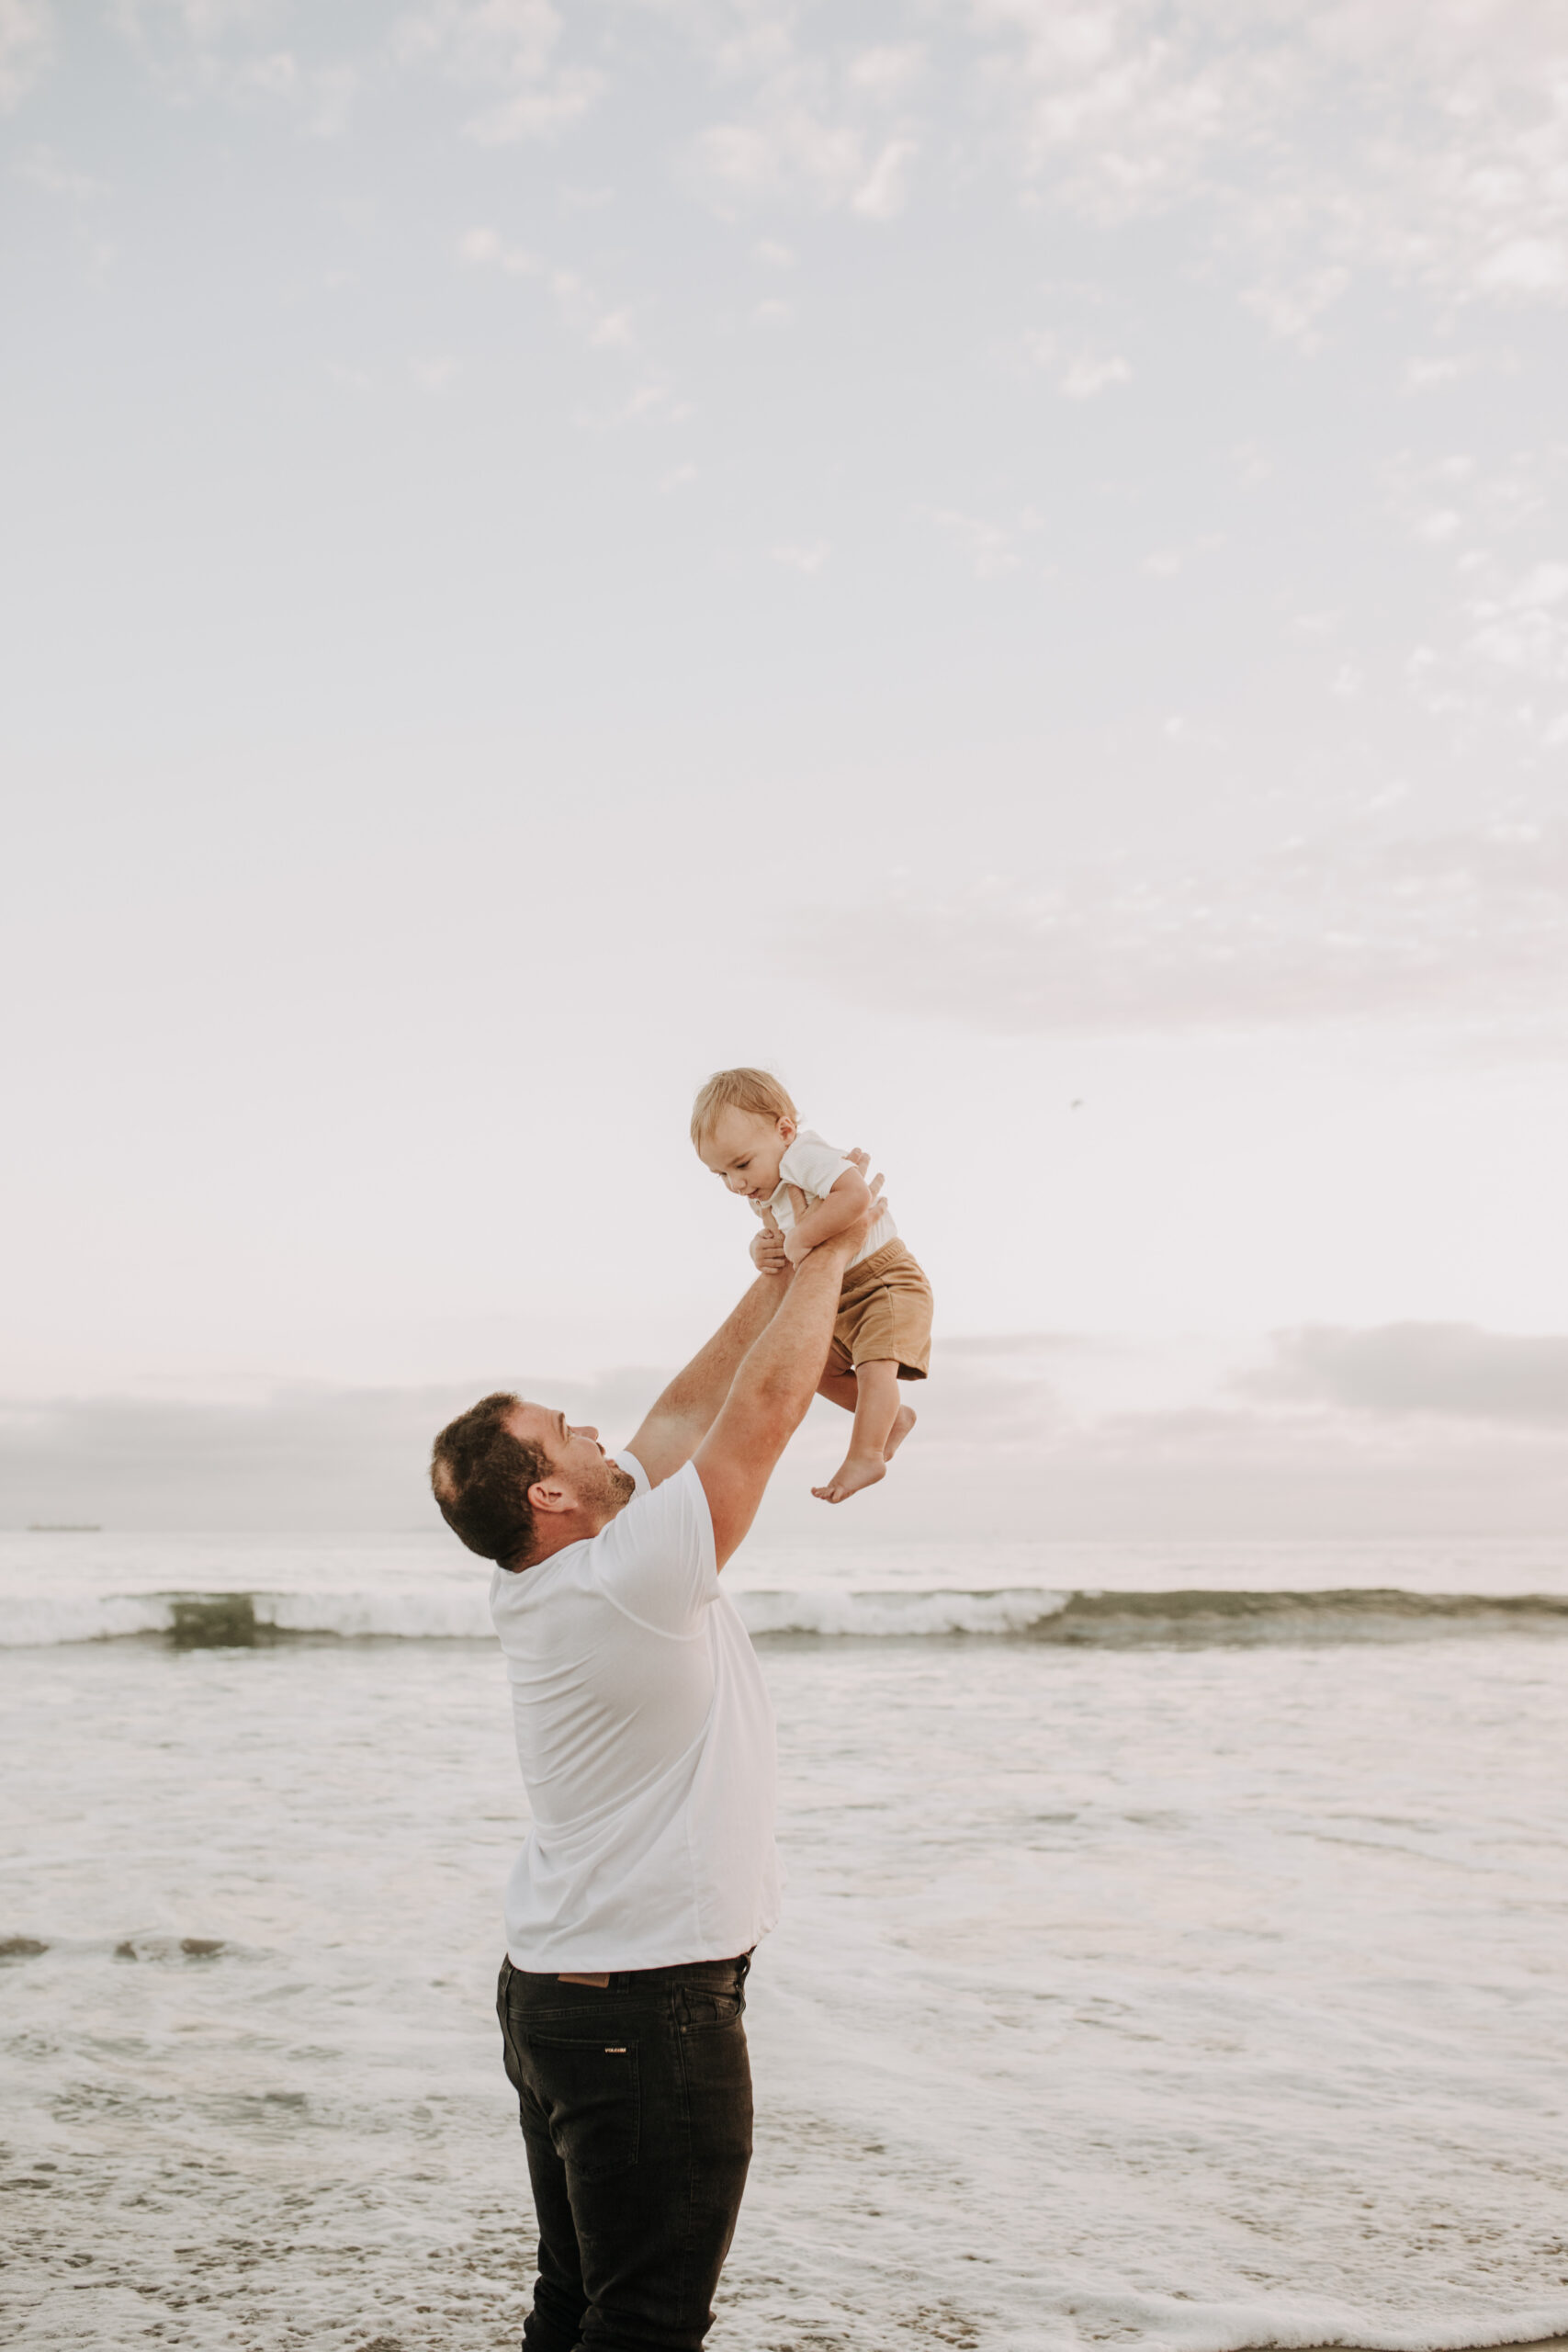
{"x": 745, "y": 1148}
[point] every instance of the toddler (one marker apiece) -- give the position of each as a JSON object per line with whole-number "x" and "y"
{"x": 746, "y": 1129}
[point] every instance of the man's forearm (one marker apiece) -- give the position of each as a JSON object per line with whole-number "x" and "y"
{"x": 680, "y": 1419}
{"x": 786, "y": 1364}
{"x": 769, "y": 1398}
{"x": 844, "y": 1205}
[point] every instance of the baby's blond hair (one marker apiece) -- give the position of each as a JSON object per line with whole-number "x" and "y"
{"x": 739, "y": 1090}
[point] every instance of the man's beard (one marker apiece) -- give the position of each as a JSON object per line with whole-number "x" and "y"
{"x": 618, "y": 1487}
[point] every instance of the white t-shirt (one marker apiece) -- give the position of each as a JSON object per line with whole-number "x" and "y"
{"x": 817, "y": 1167}
{"x": 646, "y": 1737}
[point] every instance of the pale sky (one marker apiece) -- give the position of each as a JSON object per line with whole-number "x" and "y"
{"x": 989, "y": 555}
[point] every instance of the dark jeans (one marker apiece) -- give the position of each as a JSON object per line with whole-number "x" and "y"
{"x": 635, "y": 2104}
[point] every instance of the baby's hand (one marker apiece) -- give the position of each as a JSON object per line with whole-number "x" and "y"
{"x": 768, "y": 1247}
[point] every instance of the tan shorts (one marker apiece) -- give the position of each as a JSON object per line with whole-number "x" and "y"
{"x": 885, "y": 1310}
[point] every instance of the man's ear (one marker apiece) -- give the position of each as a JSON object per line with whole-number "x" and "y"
{"x": 548, "y": 1495}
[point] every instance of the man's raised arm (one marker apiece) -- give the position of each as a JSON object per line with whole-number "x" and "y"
{"x": 680, "y": 1419}
{"x": 767, "y": 1401}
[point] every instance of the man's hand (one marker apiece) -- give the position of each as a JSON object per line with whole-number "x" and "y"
{"x": 795, "y": 1249}
{"x": 861, "y": 1159}
{"x": 873, "y": 1207}
{"x": 769, "y": 1249}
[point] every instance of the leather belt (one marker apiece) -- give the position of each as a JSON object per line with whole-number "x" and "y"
{"x": 578, "y": 1977}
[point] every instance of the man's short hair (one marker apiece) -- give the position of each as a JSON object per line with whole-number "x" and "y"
{"x": 480, "y": 1471}
{"x": 739, "y": 1090}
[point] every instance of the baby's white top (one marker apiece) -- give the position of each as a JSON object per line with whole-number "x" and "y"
{"x": 817, "y": 1167}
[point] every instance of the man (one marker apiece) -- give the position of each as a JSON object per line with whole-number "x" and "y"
{"x": 646, "y": 1738}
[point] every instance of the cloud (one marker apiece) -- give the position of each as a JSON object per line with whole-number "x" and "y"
{"x": 1423, "y": 375}
{"x": 888, "y": 74}
{"x": 653, "y": 404}
{"x": 992, "y": 548}
{"x": 1523, "y": 625}
{"x": 41, "y": 169}
{"x": 315, "y": 1456}
{"x": 322, "y": 1457}
{"x": 1419, "y": 142}
{"x": 1528, "y": 265}
{"x": 1400, "y": 1430}
{"x": 203, "y": 48}
{"x": 437, "y": 374}
{"x": 1208, "y": 1472}
{"x": 488, "y": 248}
{"x": 1166, "y": 563}
{"x": 296, "y": 1457}
{"x": 833, "y": 129}
{"x": 984, "y": 1405}
{"x": 508, "y": 49}
{"x": 1492, "y": 501}
{"x": 1504, "y": 622}
{"x": 1109, "y": 101}
{"x": 789, "y": 152}
{"x": 1016, "y": 1343}
{"x": 809, "y": 558}
{"x": 1388, "y": 1430}
{"x": 1452, "y": 1369}
{"x": 1084, "y": 376}
{"x": 884, "y": 192}
{"x": 599, "y": 323}
{"x": 1424, "y": 143}
{"x": 1471, "y": 927}
{"x": 27, "y": 48}
{"x": 1292, "y": 307}
{"x": 1078, "y": 375}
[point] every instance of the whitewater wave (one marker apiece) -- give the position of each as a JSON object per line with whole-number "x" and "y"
{"x": 1087, "y": 1619}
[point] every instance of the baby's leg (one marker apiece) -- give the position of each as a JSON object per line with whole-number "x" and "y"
{"x": 881, "y": 1426}
{"x": 843, "y": 1389}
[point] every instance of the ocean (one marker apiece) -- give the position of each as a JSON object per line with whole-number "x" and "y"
{"x": 1172, "y": 1952}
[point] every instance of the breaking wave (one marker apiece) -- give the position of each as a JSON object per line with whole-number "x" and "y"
{"x": 1184, "y": 1618}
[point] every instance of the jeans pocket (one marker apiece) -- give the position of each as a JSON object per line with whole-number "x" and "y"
{"x": 700, "y": 2008}
{"x": 592, "y": 2098}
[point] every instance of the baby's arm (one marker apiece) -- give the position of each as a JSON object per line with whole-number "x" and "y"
{"x": 849, "y": 1199}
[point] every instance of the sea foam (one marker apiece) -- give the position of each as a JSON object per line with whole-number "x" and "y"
{"x": 1187, "y": 1617}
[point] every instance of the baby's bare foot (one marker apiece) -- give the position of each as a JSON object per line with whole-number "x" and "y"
{"x": 855, "y": 1471}
{"x": 899, "y": 1431}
